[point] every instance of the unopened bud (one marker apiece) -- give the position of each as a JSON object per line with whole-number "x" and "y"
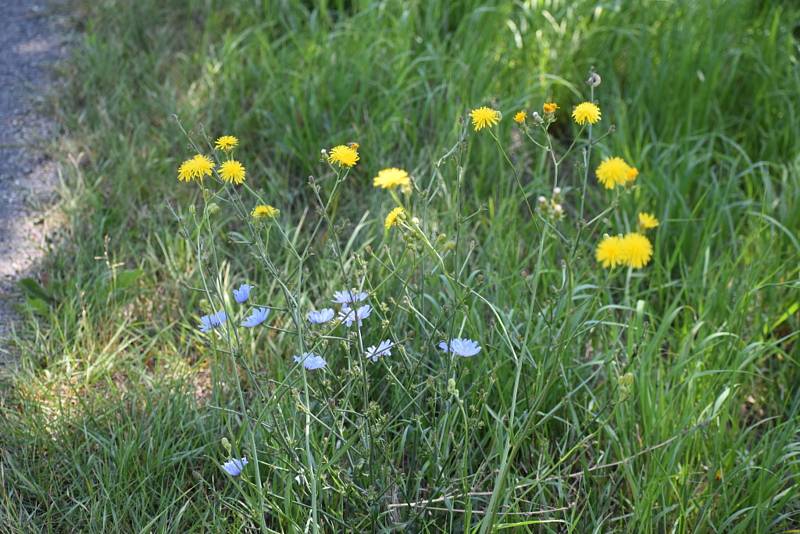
{"x": 537, "y": 118}
{"x": 556, "y": 190}
{"x": 542, "y": 200}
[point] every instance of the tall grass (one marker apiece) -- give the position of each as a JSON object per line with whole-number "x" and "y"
{"x": 661, "y": 400}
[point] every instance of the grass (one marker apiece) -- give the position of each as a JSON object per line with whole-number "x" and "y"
{"x": 643, "y": 401}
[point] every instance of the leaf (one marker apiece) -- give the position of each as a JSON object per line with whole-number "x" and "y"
{"x": 38, "y": 305}
{"x": 31, "y": 288}
{"x": 127, "y": 278}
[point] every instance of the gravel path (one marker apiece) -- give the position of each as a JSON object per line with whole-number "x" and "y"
{"x": 31, "y": 42}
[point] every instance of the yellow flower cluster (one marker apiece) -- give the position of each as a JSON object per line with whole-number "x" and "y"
{"x": 615, "y": 171}
{"x": 344, "y": 155}
{"x": 226, "y": 143}
{"x": 195, "y": 168}
{"x": 551, "y": 107}
{"x": 484, "y": 117}
{"x": 586, "y": 113}
{"x": 265, "y": 211}
{"x": 393, "y": 217}
{"x": 520, "y": 117}
{"x": 232, "y": 171}
{"x": 633, "y": 250}
{"x": 391, "y": 178}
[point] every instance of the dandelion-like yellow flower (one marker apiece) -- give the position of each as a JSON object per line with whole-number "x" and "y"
{"x": 391, "y": 178}
{"x": 483, "y": 117}
{"x": 520, "y": 117}
{"x": 226, "y": 143}
{"x": 609, "y": 252}
{"x": 613, "y": 171}
{"x": 647, "y": 221}
{"x": 393, "y": 216}
{"x": 265, "y": 211}
{"x": 633, "y": 172}
{"x": 586, "y": 112}
{"x": 195, "y": 168}
{"x": 344, "y": 155}
{"x": 232, "y": 172}
{"x": 636, "y": 250}
{"x": 551, "y": 107}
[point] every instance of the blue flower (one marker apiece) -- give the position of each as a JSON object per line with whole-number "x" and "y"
{"x": 349, "y": 316}
{"x": 311, "y": 361}
{"x": 321, "y": 316}
{"x": 384, "y": 348}
{"x": 256, "y": 317}
{"x": 461, "y": 347}
{"x": 234, "y": 467}
{"x": 347, "y": 297}
{"x": 211, "y": 321}
{"x": 242, "y": 294}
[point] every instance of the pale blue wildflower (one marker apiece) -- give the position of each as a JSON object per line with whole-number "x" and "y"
{"x": 234, "y": 467}
{"x": 311, "y": 361}
{"x": 242, "y": 294}
{"x": 384, "y": 348}
{"x": 321, "y": 316}
{"x": 348, "y": 297}
{"x": 211, "y": 321}
{"x": 461, "y": 347}
{"x": 256, "y": 317}
{"x": 349, "y": 316}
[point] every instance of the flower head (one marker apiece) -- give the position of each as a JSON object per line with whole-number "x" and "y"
{"x": 195, "y": 168}
{"x": 265, "y": 211}
{"x": 633, "y": 250}
{"x": 463, "y": 347}
{"x": 311, "y": 361}
{"x": 609, "y": 252}
{"x": 352, "y": 315}
{"x": 321, "y": 316}
{"x": 393, "y": 216}
{"x": 232, "y": 171}
{"x": 647, "y": 221}
{"x": 226, "y": 143}
{"x": 391, "y": 178}
{"x": 384, "y": 348}
{"x": 256, "y": 317}
{"x": 612, "y": 172}
{"x": 212, "y": 321}
{"x": 586, "y": 112}
{"x": 234, "y": 467}
{"x": 633, "y": 172}
{"x": 483, "y": 117}
{"x": 344, "y": 155}
{"x": 551, "y": 107}
{"x": 242, "y": 294}
{"x": 520, "y": 116}
{"x": 636, "y": 250}
{"x": 349, "y": 296}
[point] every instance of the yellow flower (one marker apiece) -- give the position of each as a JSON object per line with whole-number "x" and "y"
{"x": 393, "y": 217}
{"x": 195, "y": 168}
{"x": 391, "y": 178}
{"x": 520, "y": 117}
{"x": 633, "y": 172}
{"x": 265, "y": 211}
{"x": 609, "y": 252}
{"x": 551, "y": 107}
{"x": 483, "y": 117}
{"x": 647, "y": 221}
{"x": 614, "y": 171}
{"x": 636, "y": 250}
{"x": 232, "y": 171}
{"x": 343, "y": 155}
{"x": 586, "y": 112}
{"x": 226, "y": 142}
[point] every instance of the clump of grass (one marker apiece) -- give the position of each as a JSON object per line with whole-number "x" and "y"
{"x": 649, "y": 399}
